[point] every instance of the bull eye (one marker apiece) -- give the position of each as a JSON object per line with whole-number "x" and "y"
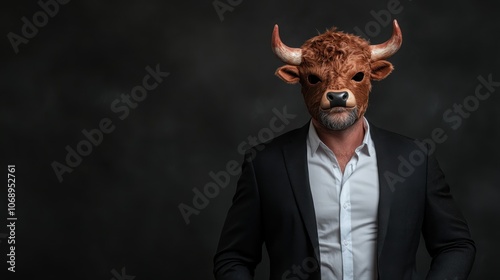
{"x": 358, "y": 77}
{"x": 313, "y": 79}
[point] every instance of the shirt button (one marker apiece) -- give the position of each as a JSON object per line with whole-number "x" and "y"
{"x": 345, "y": 243}
{"x": 346, "y": 205}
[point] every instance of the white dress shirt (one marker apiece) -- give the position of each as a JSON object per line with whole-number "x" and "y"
{"x": 346, "y": 207}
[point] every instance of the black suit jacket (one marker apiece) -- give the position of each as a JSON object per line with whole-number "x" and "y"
{"x": 273, "y": 205}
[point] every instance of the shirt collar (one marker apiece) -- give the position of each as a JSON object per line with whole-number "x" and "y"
{"x": 366, "y": 146}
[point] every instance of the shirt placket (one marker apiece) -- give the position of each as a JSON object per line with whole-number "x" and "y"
{"x": 345, "y": 218}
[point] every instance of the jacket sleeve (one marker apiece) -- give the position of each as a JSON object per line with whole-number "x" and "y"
{"x": 240, "y": 245}
{"x": 445, "y": 231}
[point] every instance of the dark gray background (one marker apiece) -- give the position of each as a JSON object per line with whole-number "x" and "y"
{"x": 119, "y": 207}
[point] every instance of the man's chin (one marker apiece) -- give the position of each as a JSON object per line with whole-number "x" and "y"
{"x": 338, "y": 118}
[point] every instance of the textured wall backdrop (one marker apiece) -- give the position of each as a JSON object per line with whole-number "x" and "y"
{"x": 114, "y": 111}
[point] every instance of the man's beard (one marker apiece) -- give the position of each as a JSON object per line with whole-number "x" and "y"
{"x": 335, "y": 121}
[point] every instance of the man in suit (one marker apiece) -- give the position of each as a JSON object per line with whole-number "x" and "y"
{"x": 340, "y": 198}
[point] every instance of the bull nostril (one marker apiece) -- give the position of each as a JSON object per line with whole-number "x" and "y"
{"x": 336, "y": 95}
{"x": 337, "y": 98}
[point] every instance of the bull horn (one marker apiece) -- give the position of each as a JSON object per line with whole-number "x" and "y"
{"x": 390, "y": 47}
{"x": 288, "y": 55}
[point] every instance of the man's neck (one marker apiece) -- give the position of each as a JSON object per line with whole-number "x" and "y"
{"x": 342, "y": 143}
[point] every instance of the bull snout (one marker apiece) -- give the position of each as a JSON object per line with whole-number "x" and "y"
{"x": 337, "y": 98}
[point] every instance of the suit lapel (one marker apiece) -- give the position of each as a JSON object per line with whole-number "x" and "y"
{"x": 386, "y": 161}
{"x": 295, "y": 156}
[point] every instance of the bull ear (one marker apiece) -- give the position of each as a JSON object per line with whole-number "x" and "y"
{"x": 288, "y": 73}
{"x": 381, "y": 69}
